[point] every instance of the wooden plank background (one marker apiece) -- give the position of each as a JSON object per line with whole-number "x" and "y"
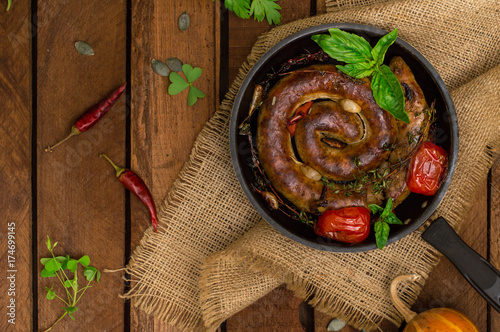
{"x": 71, "y": 194}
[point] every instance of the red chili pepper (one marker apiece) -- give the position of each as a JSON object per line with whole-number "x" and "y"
{"x": 93, "y": 114}
{"x": 299, "y": 114}
{"x": 350, "y": 224}
{"x": 136, "y": 185}
{"x": 427, "y": 168}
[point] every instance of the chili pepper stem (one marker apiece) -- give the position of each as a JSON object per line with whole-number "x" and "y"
{"x": 74, "y": 132}
{"x": 118, "y": 170}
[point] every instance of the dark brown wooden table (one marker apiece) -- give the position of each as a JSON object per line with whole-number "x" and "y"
{"x": 72, "y": 196}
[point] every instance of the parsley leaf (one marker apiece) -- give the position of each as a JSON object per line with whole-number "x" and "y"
{"x": 261, "y": 9}
{"x": 240, "y": 7}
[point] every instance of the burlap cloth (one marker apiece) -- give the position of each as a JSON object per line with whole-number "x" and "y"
{"x": 214, "y": 255}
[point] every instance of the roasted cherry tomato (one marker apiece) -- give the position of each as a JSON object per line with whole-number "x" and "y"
{"x": 299, "y": 114}
{"x": 350, "y": 224}
{"x": 427, "y": 168}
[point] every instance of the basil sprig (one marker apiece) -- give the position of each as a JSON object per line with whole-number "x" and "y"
{"x": 382, "y": 224}
{"x": 362, "y": 61}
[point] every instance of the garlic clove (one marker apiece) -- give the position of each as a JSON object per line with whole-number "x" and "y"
{"x": 350, "y": 106}
{"x": 310, "y": 172}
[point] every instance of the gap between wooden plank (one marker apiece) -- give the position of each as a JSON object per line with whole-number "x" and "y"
{"x": 34, "y": 159}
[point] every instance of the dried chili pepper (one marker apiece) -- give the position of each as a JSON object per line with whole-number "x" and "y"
{"x": 136, "y": 185}
{"x": 92, "y": 116}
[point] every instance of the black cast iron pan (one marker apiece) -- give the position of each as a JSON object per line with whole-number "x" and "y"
{"x": 416, "y": 208}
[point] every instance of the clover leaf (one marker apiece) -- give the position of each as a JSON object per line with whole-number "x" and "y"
{"x": 179, "y": 84}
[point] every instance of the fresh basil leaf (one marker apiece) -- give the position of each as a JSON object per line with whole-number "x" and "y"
{"x": 178, "y": 84}
{"x": 381, "y": 233}
{"x": 240, "y": 7}
{"x": 344, "y": 46}
{"x": 375, "y": 208}
{"x": 387, "y": 209}
{"x": 269, "y": 9}
{"x": 378, "y": 52}
{"x": 388, "y": 93}
{"x": 357, "y": 70}
{"x": 393, "y": 220}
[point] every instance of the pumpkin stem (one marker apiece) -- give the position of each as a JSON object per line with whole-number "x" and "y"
{"x": 400, "y": 306}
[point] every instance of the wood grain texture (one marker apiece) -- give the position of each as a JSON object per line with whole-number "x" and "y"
{"x": 164, "y": 127}
{"x": 15, "y": 167}
{"x": 494, "y": 321}
{"x": 445, "y": 286}
{"x": 80, "y": 203}
{"x": 279, "y": 310}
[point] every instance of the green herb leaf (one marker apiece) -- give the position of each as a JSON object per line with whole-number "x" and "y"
{"x": 47, "y": 274}
{"x": 375, "y": 208}
{"x": 84, "y": 260}
{"x": 344, "y": 46}
{"x": 378, "y": 52}
{"x": 194, "y": 94}
{"x": 72, "y": 265}
{"x": 90, "y": 273}
{"x": 52, "y": 265}
{"x": 393, "y": 220}
{"x": 49, "y": 245}
{"x": 70, "y": 310}
{"x": 44, "y": 260}
{"x": 192, "y": 74}
{"x": 381, "y": 233}
{"x": 357, "y": 70}
{"x": 51, "y": 295}
{"x": 240, "y": 7}
{"x": 9, "y": 3}
{"x": 178, "y": 84}
{"x": 269, "y": 9}
{"x": 387, "y": 209}
{"x": 388, "y": 93}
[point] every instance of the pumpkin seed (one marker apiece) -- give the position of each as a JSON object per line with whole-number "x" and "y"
{"x": 84, "y": 48}
{"x": 160, "y": 68}
{"x": 336, "y": 325}
{"x": 184, "y": 21}
{"x": 174, "y": 64}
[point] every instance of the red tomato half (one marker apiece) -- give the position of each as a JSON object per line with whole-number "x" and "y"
{"x": 427, "y": 168}
{"x": 350, "y": 225}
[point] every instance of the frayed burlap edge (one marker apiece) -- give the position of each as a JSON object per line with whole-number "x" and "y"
{"x": 329, "y": 303}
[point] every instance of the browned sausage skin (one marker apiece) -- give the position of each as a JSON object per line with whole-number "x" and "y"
{"x": 333, "y": 142}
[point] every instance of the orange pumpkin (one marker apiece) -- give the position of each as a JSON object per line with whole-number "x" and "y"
{"x": 433, "y": 320}
{"x": 441, "y": 319}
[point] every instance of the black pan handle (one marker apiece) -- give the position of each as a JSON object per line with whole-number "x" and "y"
{"x": 476, "y": 270}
